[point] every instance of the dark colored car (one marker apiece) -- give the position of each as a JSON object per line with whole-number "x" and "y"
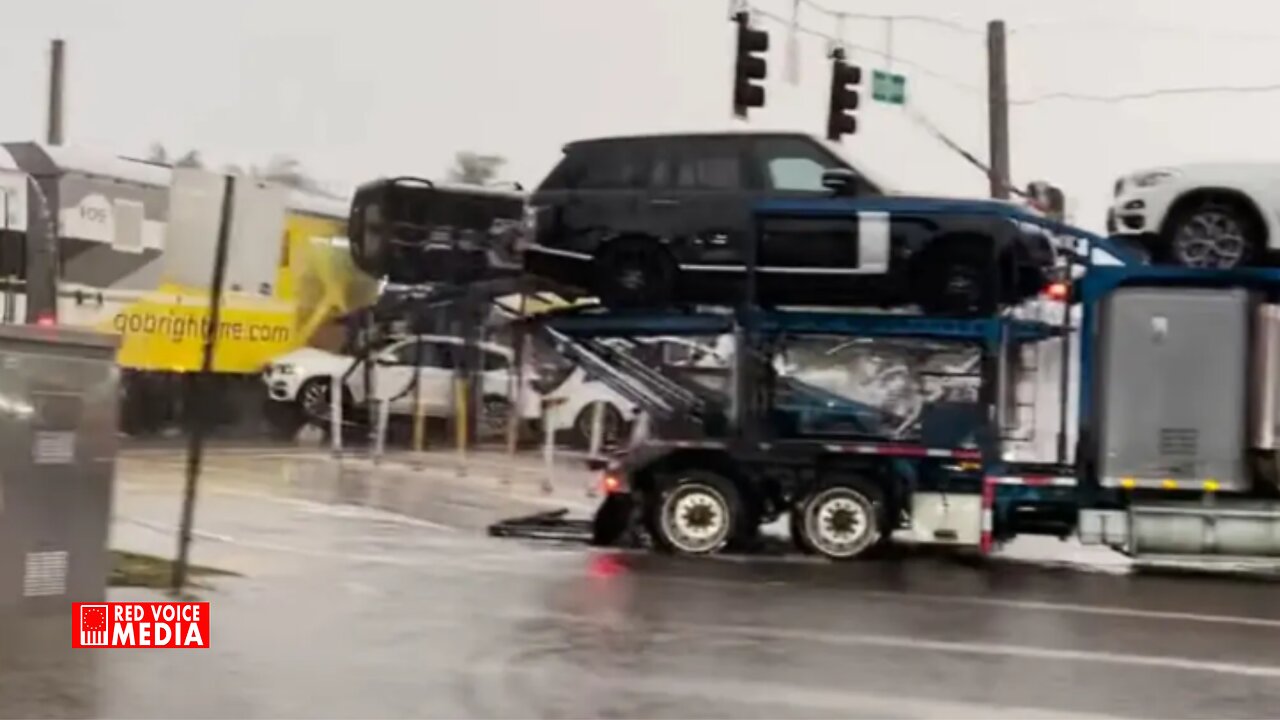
{"x": 653, "y": 220}
{"x": 415, "y": 231}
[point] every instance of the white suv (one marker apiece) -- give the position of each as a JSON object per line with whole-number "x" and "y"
{"x": 1207, "y": 215}
{"x": 303, "y": 378}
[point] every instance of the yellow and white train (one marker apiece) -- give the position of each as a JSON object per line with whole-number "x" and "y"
{"x": 110, "y": 269}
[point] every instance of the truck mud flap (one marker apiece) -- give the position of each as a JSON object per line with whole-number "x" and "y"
{"x": 611, "y": 526}
{"x": 552, "y": 525}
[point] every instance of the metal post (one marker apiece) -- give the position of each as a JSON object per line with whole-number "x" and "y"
{"x": 419, "y": 408}
{"x": 370, "y": 379}
{"x": 640, "y": 429}
{"x": 335, "y": 415}
{"x": 10, "y": 279}
{"x": 548, "y": 448}
{"x": 743, "y": 375}
{"x": 461, "y": 400}
{"x": 196, "y": 418}
{"x": 380, "y": 430}
{"x": 40, "y": 254}
{"x": 597, "y": 428}
{"x": 998, "y": 109}
{"x": 1064, "y": 372}
{"x": 516, "y": 393}
{"x": 56, "y": 67}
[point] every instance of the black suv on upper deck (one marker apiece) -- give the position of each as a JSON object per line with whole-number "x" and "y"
{"x": 650, "y": 220}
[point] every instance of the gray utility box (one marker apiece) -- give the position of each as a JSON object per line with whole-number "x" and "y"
{"x": 1172, "y": 395}
{"x": 57, "y": 466}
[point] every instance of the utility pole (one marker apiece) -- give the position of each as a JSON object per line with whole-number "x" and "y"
{"x": 200, "y": 393}
{"x": 998, "y": 109}
{"x": 56, "y": 66}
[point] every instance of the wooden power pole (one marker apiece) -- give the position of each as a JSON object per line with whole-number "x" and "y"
{"x": 56, "y": 68}
{"x": 998, "y": 109}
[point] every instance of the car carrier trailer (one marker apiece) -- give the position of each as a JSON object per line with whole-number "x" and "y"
{"x": 1176, "y": 427}
{"x": 1175, "y": 430}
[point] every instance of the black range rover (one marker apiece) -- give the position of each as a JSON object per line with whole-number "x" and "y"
{"x": 654, "y": 220}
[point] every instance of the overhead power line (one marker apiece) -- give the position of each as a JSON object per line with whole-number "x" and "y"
{"x": 1094, "y": 28}
{"x": 1147, "y": 94}
{"x": 1055, "y": 96}
{"x": 947, "y": 23}
{"x": 897, "y": 59}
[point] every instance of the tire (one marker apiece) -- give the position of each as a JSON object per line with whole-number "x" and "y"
{"x": 698, "y": 513}
{"x": 956, "y": 278}
{"x": 841, "y": 520}
{"x": 614, "y": 429}
{"x": 1211, "y": 234}
{"x": 314, "y": 401}
{"x": 796, "y": 526}
{"x": 635, "y": 273}
{"x": 283, "y": 420}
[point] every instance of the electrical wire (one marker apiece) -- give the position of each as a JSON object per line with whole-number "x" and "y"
{"x": 922, "y": 19}
{"x": 907, "y": 62}
{"x": 931, "y": 128}
{"x": 1094, "y": 28}
{"x": 1057, "y": 96}
{"x": 1147, "y": 94}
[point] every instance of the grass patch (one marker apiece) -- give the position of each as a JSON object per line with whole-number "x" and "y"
{"x": 135, "y": 570}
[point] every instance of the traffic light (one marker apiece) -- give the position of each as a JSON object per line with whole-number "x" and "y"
{"x": 749, "y": 66}
{"x": 845, "y": 79}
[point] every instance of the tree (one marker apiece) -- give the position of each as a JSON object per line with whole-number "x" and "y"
{"x": 283, "y": 170}
{"x": 160, "y": 155}
{"x": 470, "y": 168}
{"x": 280, "y": 169}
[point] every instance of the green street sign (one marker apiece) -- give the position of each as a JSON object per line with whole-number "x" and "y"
{"x": 887, "y": 87}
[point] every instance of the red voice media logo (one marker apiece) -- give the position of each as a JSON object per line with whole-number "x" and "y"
{"x": 140, "y": 625}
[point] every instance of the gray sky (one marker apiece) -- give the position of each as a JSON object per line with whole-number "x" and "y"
{"x": 377, "y": 87}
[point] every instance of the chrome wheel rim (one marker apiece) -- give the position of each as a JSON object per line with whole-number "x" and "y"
{"x": 838, "y": 523}
{"x": 1210, "y": 239}
{"x": 316, "y": 400}
{"x": 695, "y": 518}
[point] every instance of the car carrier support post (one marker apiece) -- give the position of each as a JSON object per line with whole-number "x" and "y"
{"x": 597, "y": 429}
{"x": 549, "y": 443}
{"x": 515, "y": 392}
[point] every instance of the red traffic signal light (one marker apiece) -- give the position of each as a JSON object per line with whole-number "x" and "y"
{"x": 749, "y": 65}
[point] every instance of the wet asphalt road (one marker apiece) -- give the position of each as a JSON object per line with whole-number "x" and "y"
{"x": 351, "y": 612}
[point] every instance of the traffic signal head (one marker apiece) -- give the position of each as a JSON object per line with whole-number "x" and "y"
{"x": 749, "y": 66}
{"x": 845, "y": 79}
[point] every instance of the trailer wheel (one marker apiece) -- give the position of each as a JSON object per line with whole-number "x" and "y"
{"x": 841, "y": 520}
{"x": 698, "y": 513}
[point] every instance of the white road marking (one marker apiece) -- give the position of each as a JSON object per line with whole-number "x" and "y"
{"x": 907, "y": 643}
{"x": 836, "y": 703}
{"x": 1009, "y": 604}
{"x": 1072, "y": 608}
